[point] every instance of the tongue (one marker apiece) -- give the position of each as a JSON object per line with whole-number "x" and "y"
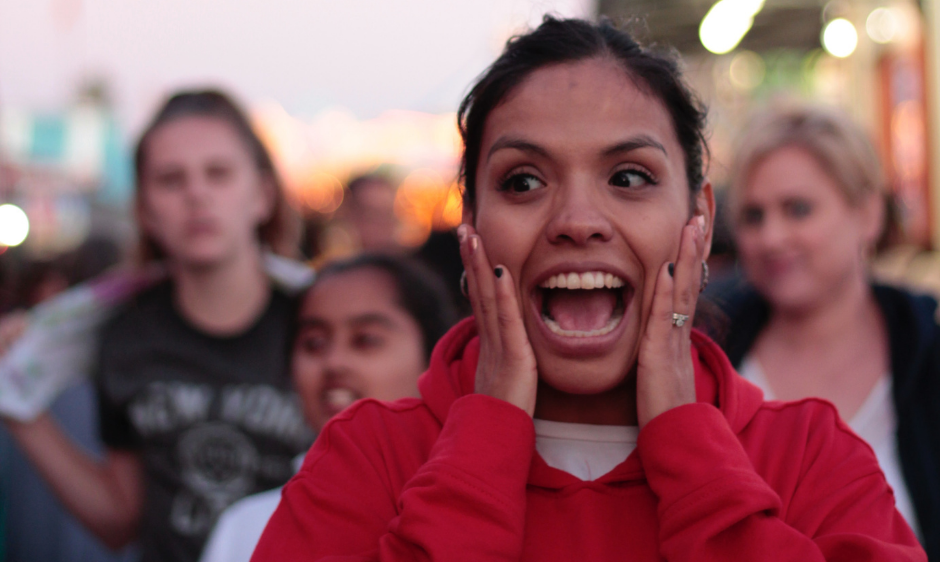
{"x": 581, "y": 310}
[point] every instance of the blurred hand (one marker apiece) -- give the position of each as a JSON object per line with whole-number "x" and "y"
{"x": 12, "y": 326}
{"x": 507, "y": 368}
{"x": 665, "y": 374}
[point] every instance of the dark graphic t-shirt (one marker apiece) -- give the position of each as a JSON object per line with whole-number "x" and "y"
{"x": 213, "y": 418}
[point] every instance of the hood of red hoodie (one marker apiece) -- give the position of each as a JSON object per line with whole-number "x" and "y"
{"x": 452, "y": 372}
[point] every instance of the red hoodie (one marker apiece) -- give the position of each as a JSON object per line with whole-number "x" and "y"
{"x": 455, "y": 476}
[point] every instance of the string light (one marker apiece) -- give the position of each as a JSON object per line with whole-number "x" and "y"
{"x": 840, "y": 38}
{"x": 726, "y": 24}
{"x": 14, "y": 226}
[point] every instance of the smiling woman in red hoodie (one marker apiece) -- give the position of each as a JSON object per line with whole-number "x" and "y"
{"x": 579, "y": 415}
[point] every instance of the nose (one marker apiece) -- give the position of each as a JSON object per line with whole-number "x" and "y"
{"x": 578, "y": 217}
{"x": 197, "y": 189}
{"x": 772, "y": 233}
{"x": 336, "y": 360}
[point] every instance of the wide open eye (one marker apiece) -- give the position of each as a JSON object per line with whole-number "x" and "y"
{"x": 631, "y": 178}
{"x": 521, "y": 183}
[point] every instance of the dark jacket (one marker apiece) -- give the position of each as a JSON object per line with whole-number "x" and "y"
{"x": 915, "y": 368}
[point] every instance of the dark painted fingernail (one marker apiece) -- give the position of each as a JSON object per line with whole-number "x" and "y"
{"x": 672, "y": 269}
{"x": 498, "y": 272}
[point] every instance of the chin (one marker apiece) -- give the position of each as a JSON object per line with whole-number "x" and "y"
{"x": 584, "y": 376}
{"x": 201, "y": 257}
{"x": 793, "y": 296}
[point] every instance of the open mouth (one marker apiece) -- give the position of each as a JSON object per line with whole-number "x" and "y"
{"x": 584, "y": 305}
{"x": 336, "y": 399}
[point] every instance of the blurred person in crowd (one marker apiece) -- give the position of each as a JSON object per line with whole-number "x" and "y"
{"x": 39, "y": 529}
{"x": 578, "y": 414}
{"x": 370, "y": 211}
{"x": 196, "y": 404}
{"x": 39, "y": 281}
{"x": 808, "y": 209}
{"x": 365, "y": 222}
{"x": 366, "y": 330}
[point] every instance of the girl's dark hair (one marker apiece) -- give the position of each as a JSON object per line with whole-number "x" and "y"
{"x": 421, "y": 292}
{"x": 559, "y": 41}
{"x": 280, "y": 233}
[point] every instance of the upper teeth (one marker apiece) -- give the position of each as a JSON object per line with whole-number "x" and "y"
{"x": 588, "y": 280}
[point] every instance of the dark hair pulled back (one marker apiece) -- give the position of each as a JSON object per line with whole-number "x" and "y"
{"x": 280, "y": 233}
{"x": 558, "y": 41}
{"x": 421, "y": 292}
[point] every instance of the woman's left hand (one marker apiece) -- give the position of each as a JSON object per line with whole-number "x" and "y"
{"x": 665, "y": 374}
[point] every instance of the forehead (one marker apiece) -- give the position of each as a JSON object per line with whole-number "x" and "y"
{"x": 186, "y": 137}
{"x": 789, "y": 171}
{"x": 342, "y": 296}
{"x": 591, "y": 103}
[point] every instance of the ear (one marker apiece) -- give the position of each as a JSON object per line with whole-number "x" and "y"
{"x": 705, "y": 206}
{"x": 872, "y": 213}
{"x": 143, "y": 215}
{"x": 267, "y": 200}
{"x": 466, "y": 215}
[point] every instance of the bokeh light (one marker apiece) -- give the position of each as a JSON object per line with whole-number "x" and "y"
{"x": 14, "y": 226}
{"x": 747, "y": 70}
{"x": 882, "y": 25}
{"x": 840, "y": 38}
{"x": 726, "y": 24}
{"x": 427, "y": 201}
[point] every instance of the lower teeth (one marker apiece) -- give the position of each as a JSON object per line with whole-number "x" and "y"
{"x": 554, "y": 327}
{"x": 339, "y": 398}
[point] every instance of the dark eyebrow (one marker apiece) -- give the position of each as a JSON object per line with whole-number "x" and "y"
{"x": 312, "y": 323}
{"x": 641, "y": 141}
{"x": 373, "y": 318}
{"x": 518, "y": 144}
{"x": 308, "y": 323}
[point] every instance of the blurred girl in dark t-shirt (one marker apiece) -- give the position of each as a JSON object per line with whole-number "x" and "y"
{"x": 193, "y": 383}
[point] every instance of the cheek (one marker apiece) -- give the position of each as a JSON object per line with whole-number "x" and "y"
{"x": 509, "y": 236}
{"x": 655, "y": 245}
{"x": 308, "y": 377}
{"x": 747, "y": 241}
{"x": 394, "y": 373}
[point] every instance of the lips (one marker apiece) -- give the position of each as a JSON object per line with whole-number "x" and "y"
{"x": 200, "y": 226}
{"x": 583, "y": 305}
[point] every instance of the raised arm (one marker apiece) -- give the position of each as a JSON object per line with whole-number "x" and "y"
{"x": 105, "y": 495}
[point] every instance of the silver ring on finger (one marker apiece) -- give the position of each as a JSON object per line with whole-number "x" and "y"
{"x": 463, "y": 284}
{"x": 679, "y": 320}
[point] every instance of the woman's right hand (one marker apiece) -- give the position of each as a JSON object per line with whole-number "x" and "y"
{"x": 12, "y": 326}
{"x": 506, "y": 368}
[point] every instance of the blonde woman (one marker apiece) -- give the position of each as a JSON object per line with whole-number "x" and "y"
{"x": 808, "y": 207}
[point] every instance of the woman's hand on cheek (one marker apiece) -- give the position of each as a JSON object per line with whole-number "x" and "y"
{"x": 665, "y": 374}
{"x": 506, "y": 369}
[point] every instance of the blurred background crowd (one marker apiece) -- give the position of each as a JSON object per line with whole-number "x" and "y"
{"x": 369, "y": 89}
{"x": 356, "y": 101}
